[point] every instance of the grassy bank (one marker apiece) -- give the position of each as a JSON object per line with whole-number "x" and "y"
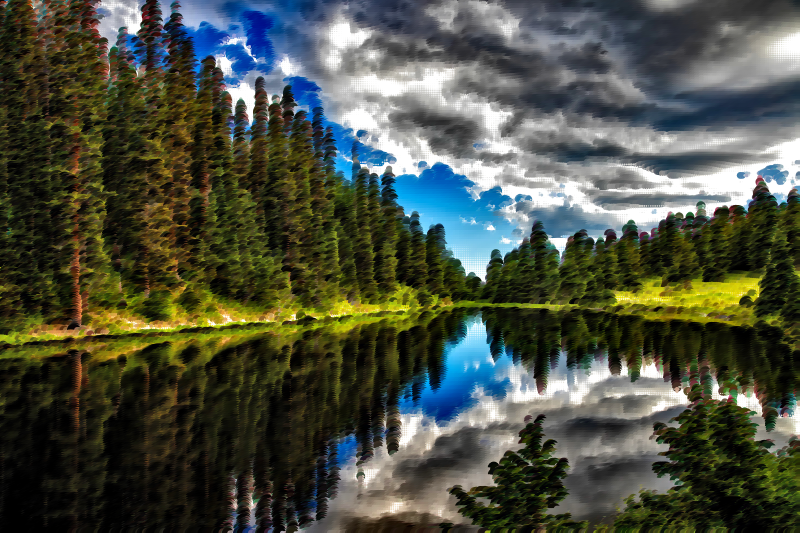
{"x": 696, "y": 300}
{"x": 206, "y": 311}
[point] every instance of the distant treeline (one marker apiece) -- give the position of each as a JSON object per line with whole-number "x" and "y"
{"x": 129, "y": 173}
{"x": 763, "y": 238}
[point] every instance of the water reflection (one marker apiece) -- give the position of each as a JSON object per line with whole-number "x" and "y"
{"x": 332, "y": 429}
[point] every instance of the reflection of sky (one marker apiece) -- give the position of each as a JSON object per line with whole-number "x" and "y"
{"x": 602, "y": 424}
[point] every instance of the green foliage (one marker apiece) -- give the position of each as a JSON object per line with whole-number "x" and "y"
{"x": 779, "y": 280}
{"x": 158, "y": 306}
{"x": 424, "y": 298}
{"x": 190, "y": 299}
{"x": 724, "y": 478}
{"x": 527, "y": 483}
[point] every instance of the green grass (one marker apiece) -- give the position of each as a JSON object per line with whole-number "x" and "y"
{"x": 698, "y": 300}
{"x": 212, "y": 311}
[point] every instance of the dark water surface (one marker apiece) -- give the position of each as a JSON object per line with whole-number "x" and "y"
{"x": 359, "y": 429}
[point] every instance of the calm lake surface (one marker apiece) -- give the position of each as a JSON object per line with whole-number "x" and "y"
{"x": 362, "y": 428}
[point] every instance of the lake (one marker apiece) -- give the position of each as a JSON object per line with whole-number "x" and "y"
{"x": 342, "y": 427}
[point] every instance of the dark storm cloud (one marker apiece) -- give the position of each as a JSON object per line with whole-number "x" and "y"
{"x": 589, "y": 58}
{"x": 600, "y": 481}
{"x": 620, "y": 201}
{"x": 775, "y": 102}
{"x": 692, "y": 163}
{"x": 445, "y": 133}
{"x": 404, "y": 522}
{"x": 450, "y": 454}
{"x": 564, "y": 151}
{"x": 659, "y": 43}
{"x": 622, "y": 179}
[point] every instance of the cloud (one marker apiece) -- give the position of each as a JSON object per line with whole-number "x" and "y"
{"x": 504, "y": 240}
{"x": 488, "y": 226}
{"x": 471, "y": 220}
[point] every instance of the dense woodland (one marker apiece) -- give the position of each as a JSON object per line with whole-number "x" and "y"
{"x": 764, "y": 239}
{"x": 129, "y": 175}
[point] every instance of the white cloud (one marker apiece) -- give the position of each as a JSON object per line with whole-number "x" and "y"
{"x": 504, "y": 240}
{"x": 489, "y": 226}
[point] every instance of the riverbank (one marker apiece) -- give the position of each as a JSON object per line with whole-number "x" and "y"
{"x": 210, "y": 312}
{"x": 696, "y": 300}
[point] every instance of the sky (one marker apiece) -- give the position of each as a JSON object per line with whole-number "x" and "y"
{"x": 583, "y": 114}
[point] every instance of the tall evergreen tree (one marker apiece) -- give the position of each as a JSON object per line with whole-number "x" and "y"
{"x": 287, "y": 105}
{"x": 330, "y": 223}
{"x": 627, "y": 256}
{"x": 740, "y": 240}
{"x": 179, "y": 97}
{"x": 347, "y": 231}
{"x": 778, "y": 279}
{"x": 791, "y": 221}
{"x": 417, "y": 268}
{"x": 26, "y": 264}
{"x": 277, "y": 190}
{"x": 256, "y": 180}
{"x": 715, "y": 236}
{"x": 547, "y": 260}
{"x": 433, "y": 259}
{"x": 526, "y": 273}
{"x": 403, "y": 253}
{"x": 301, "y": 233}
{"x": 493, "y": 272}
{"x": 387, "y": 228}
{"x": 78, "y": 79}
{"x": 363, "y": 251}
{"x": 574, "y": 271}
{"x": 125, "y": 170}
{"x": 228, "y": 275}
{"x": 202, "y": 212}
{"x": 762, "y": 217}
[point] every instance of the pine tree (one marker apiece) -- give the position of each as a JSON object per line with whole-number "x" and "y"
{"x": 417, "y": 268}
{"x": 347, "y": 231}
{"x": 287, "y": 105}
{"x": 299, "y": 230}
{"x": 386, "y": 244}
{"x": 684, "y": 260}
{"x": 202, "y": 212}
{"x": 606, "y": 264}
{"x": 546, "y": 258}
{"x": 791, "y": 221}
{"x": 740, "y": 240}
{"x": 627, "y": 255}
{"x": 319, "y": 259}
{"x": 527, "y": 483}
{"x": 363, "y": 252}
{"x": 277, "y": 189}
{"x": 778, "y": 279}
{"x": 454, "y": 278}
{"x": 256, "y": 180}
{"x": 179, "y": 96}
{"x": 228, "y": 277}
{"x": 574, "y": 270}
{"x": 433, "y": 259}
{"x": 330, "y": 223}
{"x": 125, "y": 170}
{"x": 762, "y": 217}
{"x": 24, "y": 269}
{"x": 77, "y": 82}
{"x": 403, "y": 253}
{"x": 156, "y": 270}
{"x": 526, "y": 273}
{"x": 493, "y": 272}
{"x": 715, "y": 235}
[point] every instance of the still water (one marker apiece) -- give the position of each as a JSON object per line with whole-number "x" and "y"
{"x": 359, "y": 428}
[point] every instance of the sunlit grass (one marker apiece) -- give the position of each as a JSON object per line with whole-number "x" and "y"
{"x": 213, "y": 311}
{"x": 696, "y": 299}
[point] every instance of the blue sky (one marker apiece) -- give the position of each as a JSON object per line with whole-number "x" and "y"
{"x": 493, "y": 114}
